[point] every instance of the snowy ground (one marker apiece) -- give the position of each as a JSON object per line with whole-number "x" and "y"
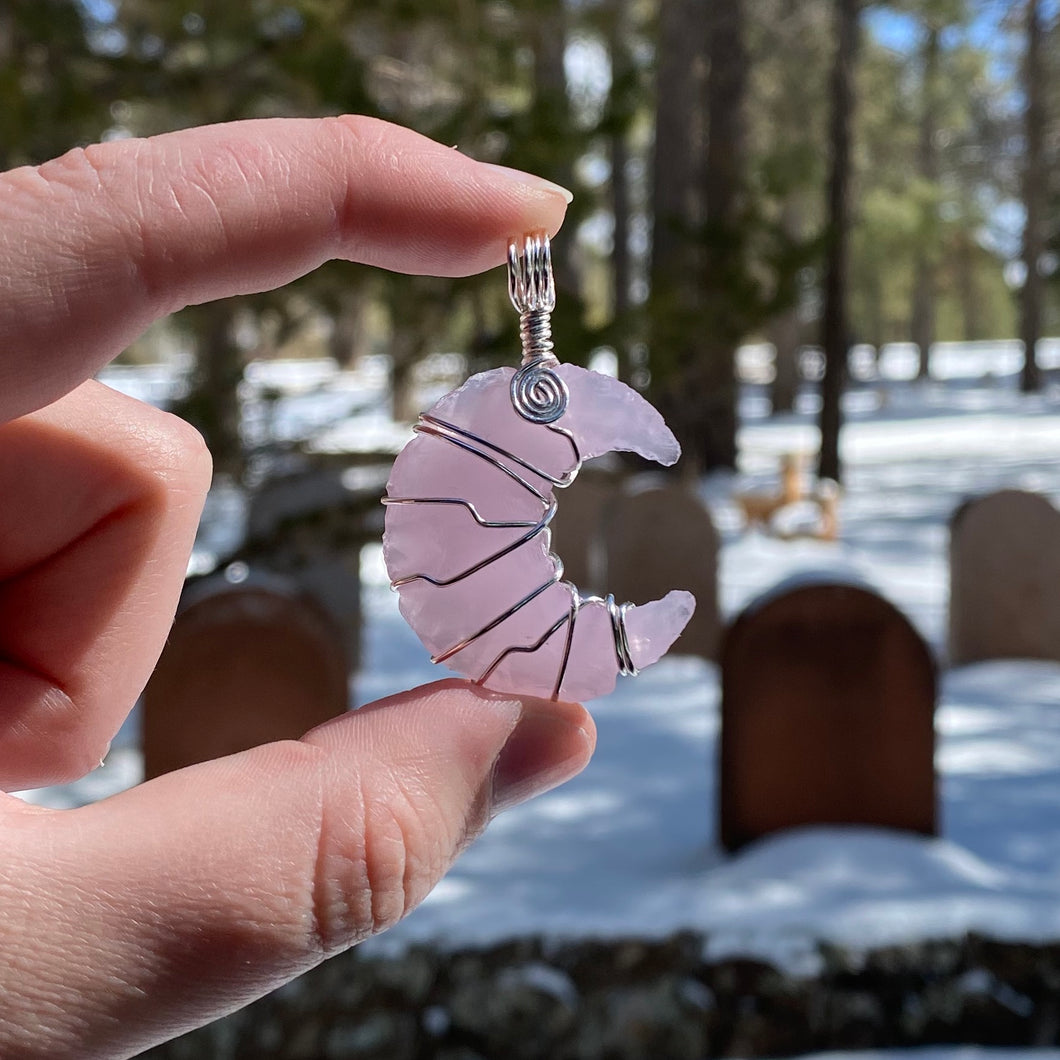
{"x": 628, "y": 848}
{"x": 937, "y": 1052}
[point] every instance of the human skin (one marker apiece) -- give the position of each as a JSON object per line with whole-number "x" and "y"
{"x": 129, "y": 921}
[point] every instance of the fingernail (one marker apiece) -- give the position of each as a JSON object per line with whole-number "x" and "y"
{"x": 548, "y": 746}
{"x": 530, "y": 180}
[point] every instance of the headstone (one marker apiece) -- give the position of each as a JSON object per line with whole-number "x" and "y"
{"x": 577, "y": 529}
{"x": 1005, "y": 579}
{"x": 828, "y": 698}
{"x": 245, "y": 664}
{"x": 662, "y": 538}
{"x": 292, "y": 499}
{"x": 311, "y": 527}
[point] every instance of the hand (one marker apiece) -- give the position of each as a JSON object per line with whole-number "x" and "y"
{"x": 132, "y": 920}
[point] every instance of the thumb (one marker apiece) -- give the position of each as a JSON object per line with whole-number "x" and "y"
{"x": 168, "y": 905}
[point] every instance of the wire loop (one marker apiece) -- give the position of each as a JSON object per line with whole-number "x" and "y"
{"x": 538, "y": 393}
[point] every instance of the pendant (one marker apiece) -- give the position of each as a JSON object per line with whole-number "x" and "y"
{"x": 470, "y": 499}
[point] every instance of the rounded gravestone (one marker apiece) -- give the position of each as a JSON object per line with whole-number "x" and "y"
{"x": 1005, "y": 579}
{"x": 245, "y": 664}
{"x": 577, "y": 528}
{"x": 828, "y": 699}
{"x": 310, "y": 527}
{"x": 663, "y": 538}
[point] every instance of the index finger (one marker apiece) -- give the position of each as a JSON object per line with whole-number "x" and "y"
{"x": 97, "y": 244}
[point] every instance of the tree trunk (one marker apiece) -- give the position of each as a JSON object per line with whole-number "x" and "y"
{"x": 696, "y": 318}
{"x": 971, "y": 311}
{"x": 349, "y": 336}
{"x": 1034, "y": 190}
{"x": 9, "y": 49}
{"x": 408, "y": 344}
{"x": 550, "y": 99}
{"x": 403, "y": 405}
{"x": 834, "y": 331}
{"x": 676, "y": 186}
{"x": 875, "y": 313}
{"x": 785, "y": 330}
{"x": 212, "y": 403}
{"x": 922, "y": 324}
{"x": 620, "y": 260}
{"x": 675, "y": 310}
{"x": 621, "y": 207}
{"x": 723, "y": 265}
{"x": 415, "y": 320}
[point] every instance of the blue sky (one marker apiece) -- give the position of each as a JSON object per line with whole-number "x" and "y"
{"x": 901, "y": 31}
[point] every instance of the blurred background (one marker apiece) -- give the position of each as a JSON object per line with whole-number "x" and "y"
{"x": 792, "y": 173}
{"x": 823, "y": 238}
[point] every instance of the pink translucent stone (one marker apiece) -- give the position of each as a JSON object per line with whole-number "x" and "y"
{"x": 482, "y": 610}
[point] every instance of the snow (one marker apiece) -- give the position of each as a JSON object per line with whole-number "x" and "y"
{"x": 629, "y": 848}
{"x": 938, "y": 1052}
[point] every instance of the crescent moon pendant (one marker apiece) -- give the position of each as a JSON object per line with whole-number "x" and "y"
{"x": 468, "y": 543}
{"x": 470, "y": 500}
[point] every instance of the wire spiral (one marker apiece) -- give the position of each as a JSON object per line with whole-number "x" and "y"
{"x": 538, "y": 393}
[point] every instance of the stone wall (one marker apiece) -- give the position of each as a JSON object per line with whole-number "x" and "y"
{"x": 640, "y": 1000}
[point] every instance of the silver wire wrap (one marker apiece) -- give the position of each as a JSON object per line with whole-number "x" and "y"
{"x": 540, "y": 396}
{"x": 618, "y": 629}
{"x": 538, "y": 393}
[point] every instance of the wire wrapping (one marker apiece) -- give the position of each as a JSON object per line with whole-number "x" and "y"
{"x": 538, "y": 393}
{"x": 540, "y": 396}
{"x": 495, "y": 456}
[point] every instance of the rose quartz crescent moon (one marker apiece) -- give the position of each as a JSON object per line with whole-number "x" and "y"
{"x": 467, "y": 510}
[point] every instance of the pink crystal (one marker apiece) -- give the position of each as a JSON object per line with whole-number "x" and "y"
{"x": 444, "y": 538}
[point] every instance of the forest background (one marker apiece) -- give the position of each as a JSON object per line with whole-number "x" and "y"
{"x": 804, "y": 172}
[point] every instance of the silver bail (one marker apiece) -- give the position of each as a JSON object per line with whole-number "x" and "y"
{"x": 532, "y": 289}
{"x": 531, "y": 285}
{"x": 538, "y": 393}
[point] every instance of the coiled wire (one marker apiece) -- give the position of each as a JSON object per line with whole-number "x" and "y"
{"x": 538, "y": 393}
